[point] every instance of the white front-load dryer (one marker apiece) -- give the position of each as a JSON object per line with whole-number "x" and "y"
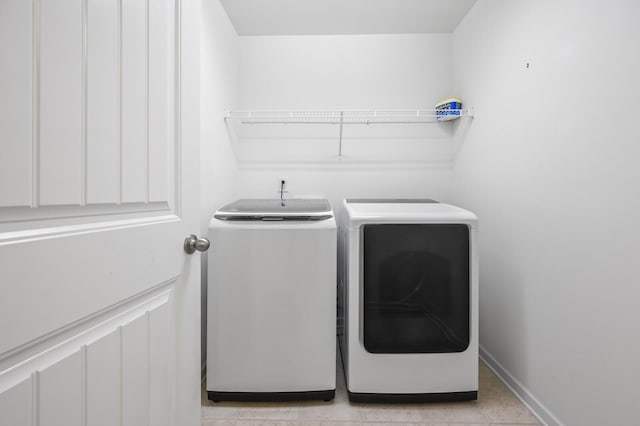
{"x": 408, "y": 300}
{"x": 271, "y": 322}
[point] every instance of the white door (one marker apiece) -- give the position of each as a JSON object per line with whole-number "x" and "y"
{"x": 99, "y": 141}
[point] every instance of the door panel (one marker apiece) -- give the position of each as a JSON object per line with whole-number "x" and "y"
{"x": 80, "y": 273}
{"x": 134, "y": 100}
{"x": 101, "y": 370}
{"x": 158, "y": 362}
{"x": 103, "y": 380}
{"x": 15, "y": 108}
{"x": 59, "y": 392}
{"x": 135, "y": 374}
{"x": 103, "y": 111}
{"x": 59, "y": 101}
{"x": 161, "y": 31}
{"x": 102, "y": 131}
{"x": 99, "y": 319}
{"x": 15, "y": 404}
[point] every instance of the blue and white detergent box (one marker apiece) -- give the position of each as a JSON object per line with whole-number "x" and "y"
{"x": 448, "y": 109}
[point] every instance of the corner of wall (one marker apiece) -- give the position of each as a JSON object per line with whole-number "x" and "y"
{"x": 519, "y": 390}
{"x": 219, "y": 70}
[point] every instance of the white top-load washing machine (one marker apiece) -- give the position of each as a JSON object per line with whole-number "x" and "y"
{"x": 271, "y": 319}
{"x": 408, "y": 299}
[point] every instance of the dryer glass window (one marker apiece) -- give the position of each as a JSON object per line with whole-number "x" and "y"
{"x": 416, "y": 288}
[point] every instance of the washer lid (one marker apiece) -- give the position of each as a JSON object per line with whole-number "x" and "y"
{"x": 275, "y": 209}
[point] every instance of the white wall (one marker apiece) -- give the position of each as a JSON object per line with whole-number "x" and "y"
{"x": 337, "y": 183}
{"x": 550, "y": 165}
{"x": 219, "y": 83}
{"x": 352, "y": 72}
{"x": 219, "y": 91}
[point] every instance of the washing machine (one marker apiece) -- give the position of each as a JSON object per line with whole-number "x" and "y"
{"x": 408, "y": 300}
{"x": 271, "y": 322}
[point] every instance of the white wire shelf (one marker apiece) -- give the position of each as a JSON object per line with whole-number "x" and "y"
{"x": 343, "y": 117}
{"x": 346, "y": 117}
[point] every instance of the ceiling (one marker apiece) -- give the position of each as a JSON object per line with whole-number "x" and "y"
{"x": 316, "y": 17}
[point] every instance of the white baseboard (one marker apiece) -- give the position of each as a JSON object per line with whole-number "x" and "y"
{"x": 521, "y": 392}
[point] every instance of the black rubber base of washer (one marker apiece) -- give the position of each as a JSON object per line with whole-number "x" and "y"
{"x": 412, "y": 397}
{"x": 327, "y": 395}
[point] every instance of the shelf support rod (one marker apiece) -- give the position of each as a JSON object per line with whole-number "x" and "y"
{"x": 340, "y": 141}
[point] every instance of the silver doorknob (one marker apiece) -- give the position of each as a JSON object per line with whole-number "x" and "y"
{"x": 193, "y": 243}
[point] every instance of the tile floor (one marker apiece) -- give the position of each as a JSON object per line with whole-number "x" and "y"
{"x": 496, "y": 405}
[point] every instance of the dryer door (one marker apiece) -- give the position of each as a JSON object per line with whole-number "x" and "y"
{"x": 416, "y": 288}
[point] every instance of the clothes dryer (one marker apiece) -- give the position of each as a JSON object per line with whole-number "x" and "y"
{"x": 408, "y": 300}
